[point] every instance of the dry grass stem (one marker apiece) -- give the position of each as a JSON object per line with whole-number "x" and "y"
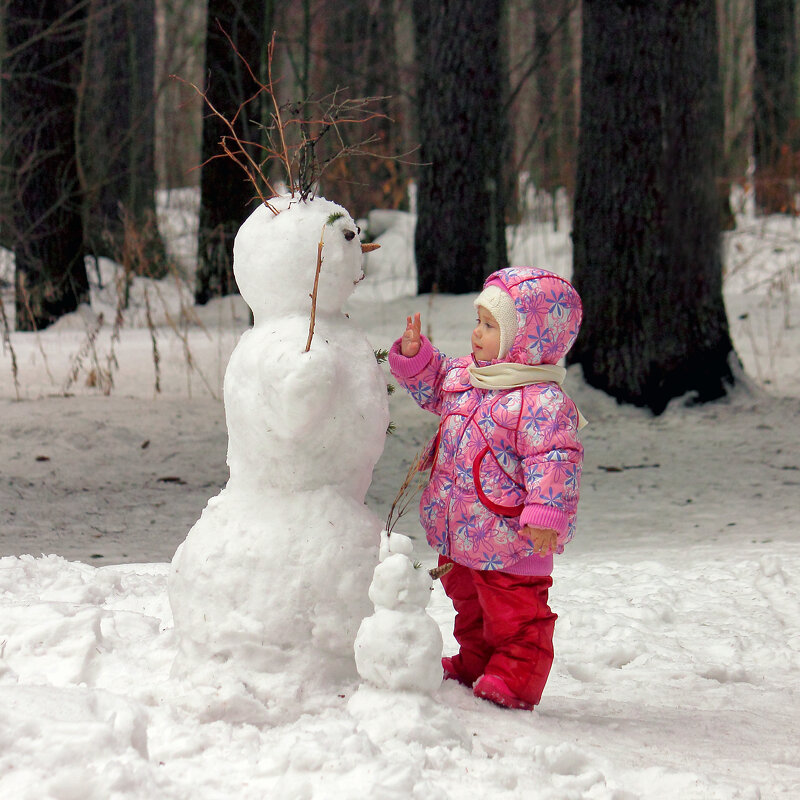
{"x": 106, "y": 376}
{"x": 86, "y": 348}
{"x": 152, "y": 328}
{"x": 98, "y": 376}
{"x": 182, "y": 332}
{"x": 29, "y": 310}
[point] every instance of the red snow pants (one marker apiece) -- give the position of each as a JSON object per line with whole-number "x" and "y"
{"x": 504, "y": 627}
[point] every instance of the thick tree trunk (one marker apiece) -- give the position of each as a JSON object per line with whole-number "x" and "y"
{"x": 44, "y": 51}
{"x": 117, "y": 147}
{"x": 225, "y": 193}
{"x": 775, "y": 104}
{"x": 646, "y": 224}
{"x": 460, "y": 236}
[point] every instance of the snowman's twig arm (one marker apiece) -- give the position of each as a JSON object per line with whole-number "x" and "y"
{"x": 438, "y": 572}
{"x": 313, "y": 294}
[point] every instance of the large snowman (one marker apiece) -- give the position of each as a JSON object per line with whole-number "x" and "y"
{"x": 269, "y": 587}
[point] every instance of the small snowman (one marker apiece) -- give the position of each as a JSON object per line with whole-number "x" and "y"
{"x": 268, "y": 588}
{"x": 398, "y": 655}
{"x": 399, "y": 647}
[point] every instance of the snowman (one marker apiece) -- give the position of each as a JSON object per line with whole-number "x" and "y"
{"x": 269, "y": 587}
{"x": 399, "y": 647}
{"x": 398, "y": 653}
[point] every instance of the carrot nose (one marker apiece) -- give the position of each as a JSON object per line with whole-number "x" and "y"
{"x": 368, "y": 248}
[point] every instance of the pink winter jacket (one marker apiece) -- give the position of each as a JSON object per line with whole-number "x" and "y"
{"x": 501, "y": 459}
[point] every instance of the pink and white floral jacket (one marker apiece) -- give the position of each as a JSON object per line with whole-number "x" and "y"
{"x": 501, "y": 459}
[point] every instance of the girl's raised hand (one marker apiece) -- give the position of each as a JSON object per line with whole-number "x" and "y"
{"x": 411, "y": 341}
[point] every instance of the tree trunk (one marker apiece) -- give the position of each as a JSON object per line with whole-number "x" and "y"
{"x": 117, "y": 147}
{"x": 460, "y": 236}
{"x": 44, "y": 43}
{"x": 555, "y": 84}
{"x": 180, "y": 50}
{"x": 360, "y": 60}
{"x": 775, "y": 103}
{"x": 646, "y": 225}
{"x": 226, "y": 195}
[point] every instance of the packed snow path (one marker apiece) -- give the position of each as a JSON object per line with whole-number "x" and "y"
{"x": 114, "y": 480}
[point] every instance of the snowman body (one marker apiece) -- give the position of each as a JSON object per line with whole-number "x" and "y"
{"x": 270, "y": 585}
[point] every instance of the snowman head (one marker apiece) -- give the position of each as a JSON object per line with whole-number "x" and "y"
{"x": 275, "y": 257}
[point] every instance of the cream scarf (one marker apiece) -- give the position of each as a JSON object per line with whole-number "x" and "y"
{"x": 505, "y": 375}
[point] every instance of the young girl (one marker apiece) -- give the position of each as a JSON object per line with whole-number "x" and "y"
{"x": 505, "y": 468}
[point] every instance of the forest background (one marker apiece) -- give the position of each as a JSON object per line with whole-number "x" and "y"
{"x": 641, "y": 115}
{"x": 678, "y": 638}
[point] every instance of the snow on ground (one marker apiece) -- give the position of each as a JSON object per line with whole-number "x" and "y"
{"x": 678, "y": 641}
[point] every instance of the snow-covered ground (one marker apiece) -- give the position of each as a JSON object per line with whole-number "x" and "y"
{"x": 678, "y": 641}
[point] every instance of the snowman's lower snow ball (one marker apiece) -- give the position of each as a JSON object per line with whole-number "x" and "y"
{"x": 270, "y": 585}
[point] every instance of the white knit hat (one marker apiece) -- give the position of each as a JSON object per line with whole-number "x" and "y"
{"x": 499, "y": 304}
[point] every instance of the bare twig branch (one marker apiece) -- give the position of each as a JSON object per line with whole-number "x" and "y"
{"x": 314, "y": 290}
{"x": 412, "y": 485}
{"x": 241, "y": 154}
{"x": 291, "y": 137}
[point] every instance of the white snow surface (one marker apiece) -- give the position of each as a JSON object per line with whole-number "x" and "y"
{"x": 678, "y": 639}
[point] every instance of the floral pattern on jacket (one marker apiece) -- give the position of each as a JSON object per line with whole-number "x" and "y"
{"x": 501, "y": 459}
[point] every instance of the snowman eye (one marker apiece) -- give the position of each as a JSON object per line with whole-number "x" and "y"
{"x": 349, "y": 235}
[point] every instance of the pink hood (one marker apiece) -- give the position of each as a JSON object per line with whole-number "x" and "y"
{"x": 549, "y": 314}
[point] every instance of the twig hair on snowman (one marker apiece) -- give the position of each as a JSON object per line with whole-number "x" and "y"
{"x": 294, "y": 136}
{"x": 294, "y": 139}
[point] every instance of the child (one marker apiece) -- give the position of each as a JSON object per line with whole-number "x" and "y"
{"x": 505, "y": 468}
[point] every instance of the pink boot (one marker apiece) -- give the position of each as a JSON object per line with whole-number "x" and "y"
{"x": 450, "y": 672}
{"x": 494, "y": 689}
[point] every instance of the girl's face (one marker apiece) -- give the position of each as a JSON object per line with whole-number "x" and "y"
{"x": 486, "y": 337}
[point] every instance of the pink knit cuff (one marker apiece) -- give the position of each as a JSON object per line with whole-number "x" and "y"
{"x": 539, "y": 516}
{"x": 408, "y": 367}
{"x": 535, "y": 566}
